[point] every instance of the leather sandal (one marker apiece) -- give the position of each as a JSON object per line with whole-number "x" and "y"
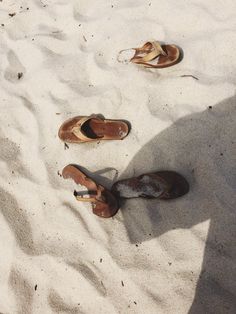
{"x": 104, "y": 203}
{"x": 155, "y": 55}
{"x": 92, "y": 128}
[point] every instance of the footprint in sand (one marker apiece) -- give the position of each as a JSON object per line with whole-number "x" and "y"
{"x": 15, "y": 70}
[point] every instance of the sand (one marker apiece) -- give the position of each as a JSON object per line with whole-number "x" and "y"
{"x": 58, "y": 59}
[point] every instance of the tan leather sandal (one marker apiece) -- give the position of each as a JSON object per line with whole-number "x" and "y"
{"x": 104, "y": 203}
{"x": 92, "y": 128}
{"x": 155, "y": 55}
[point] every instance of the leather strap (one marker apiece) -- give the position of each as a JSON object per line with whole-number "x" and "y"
{"x": 77, "y": 129}
{"x": 153, "y": 50}
{"x": 95, "y": 199}
{"x": 95, "y": 188}
{"x": 86, "y": 199}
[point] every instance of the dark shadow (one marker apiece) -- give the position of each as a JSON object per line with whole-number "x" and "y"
{"x": 181, "y": 57}
{"x": 200, "y": 147}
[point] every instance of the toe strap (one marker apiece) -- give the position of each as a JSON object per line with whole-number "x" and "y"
{"x": 77, "y": 129}
{"x": 152, "y": 50}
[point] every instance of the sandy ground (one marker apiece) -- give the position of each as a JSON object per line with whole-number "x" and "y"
{"x": 153, "y": 257}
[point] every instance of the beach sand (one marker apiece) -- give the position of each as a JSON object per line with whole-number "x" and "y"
{"x": 58, "y": 59}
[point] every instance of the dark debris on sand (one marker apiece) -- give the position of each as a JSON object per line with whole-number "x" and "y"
{"x": 19, "y": 75}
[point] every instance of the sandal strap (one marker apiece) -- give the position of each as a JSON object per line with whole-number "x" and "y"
{"x": 157, "y": 50}
{"x": 154, "y": 49}
{"x": 94, "y": 199}
{"x": 77, "y": 129}
{"x": 86, "y": 199}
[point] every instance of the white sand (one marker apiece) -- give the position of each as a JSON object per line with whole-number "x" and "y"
{"x": 152, "y": 257}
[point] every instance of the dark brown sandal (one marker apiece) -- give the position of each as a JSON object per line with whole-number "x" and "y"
{"x": 92, "y": 128}
{"x": 155, "y": 55}
{"x": 164, "y": 185}
{"x": 104, "y": 203}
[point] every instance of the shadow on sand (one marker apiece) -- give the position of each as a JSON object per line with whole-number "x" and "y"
{"x": 200, "y": 146}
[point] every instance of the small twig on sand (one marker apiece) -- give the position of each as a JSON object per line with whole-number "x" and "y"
{"x": 189, "y": 75}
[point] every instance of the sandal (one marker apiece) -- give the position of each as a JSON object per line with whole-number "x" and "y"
{"x": 164, "y": 185}
{"x": 92, "y": 128}
{"x": 163, "y": 55}
{"x": 104, "y": 203}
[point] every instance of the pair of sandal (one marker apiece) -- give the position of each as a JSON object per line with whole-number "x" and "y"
{"x": 163, "y": 185}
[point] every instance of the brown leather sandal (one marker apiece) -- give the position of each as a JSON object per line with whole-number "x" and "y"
{"x": 92, "y": 128}
{"x": 161, "y": 56}
{"x": 104, "y": 203}
{"x": 164, "y": 185}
